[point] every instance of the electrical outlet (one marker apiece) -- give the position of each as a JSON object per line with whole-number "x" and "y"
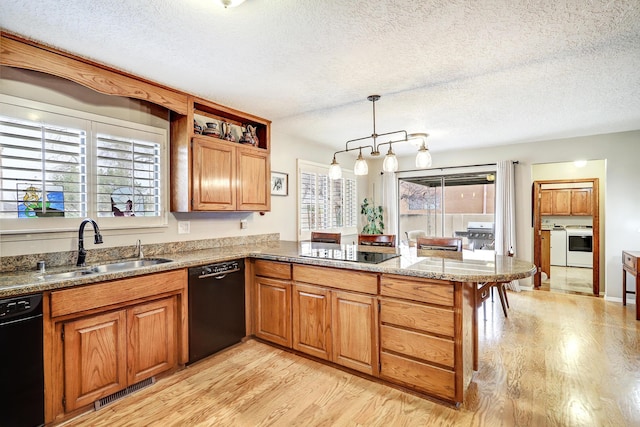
{"x": 184, "y": 227}
{"x": 243, "y": 223}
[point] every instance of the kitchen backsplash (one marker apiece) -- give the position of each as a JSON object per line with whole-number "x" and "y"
{"x": 95, "y": 255}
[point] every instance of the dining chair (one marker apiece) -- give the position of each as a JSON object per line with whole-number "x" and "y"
{"x": 320, "y": 237}
{"x": 412, "y": 235}
{"x": 386, "y": 240}
{"x": 442, "y": 247}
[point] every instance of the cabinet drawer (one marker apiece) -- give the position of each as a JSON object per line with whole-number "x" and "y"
{"x": 336, "y": 278}
{"x": 418, "y": 375}
{"x": 438, "y": 292}
{"x": 277, "y": 270}
{"x": 417, "y": 316}
{"x": 417, "y": 345}
{"x": 103, "y": 294}
{"x": 629, "y": 261}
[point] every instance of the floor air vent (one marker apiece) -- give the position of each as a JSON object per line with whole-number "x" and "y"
{"x": 122, "y": 393}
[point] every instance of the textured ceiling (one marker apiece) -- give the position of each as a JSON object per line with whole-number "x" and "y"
{"x": 470, "y": 73}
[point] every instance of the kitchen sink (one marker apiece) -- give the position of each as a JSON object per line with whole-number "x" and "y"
{"x": 127, "y": 265}
{"x": 107, "y": 268}
{"x": 67, "y": 275}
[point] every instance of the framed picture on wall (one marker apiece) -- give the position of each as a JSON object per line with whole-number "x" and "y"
{"x": 279, "y": 184}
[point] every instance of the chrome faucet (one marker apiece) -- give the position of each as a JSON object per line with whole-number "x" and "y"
{"x": 139, "y": 249}
{"x": 82, "y": 253}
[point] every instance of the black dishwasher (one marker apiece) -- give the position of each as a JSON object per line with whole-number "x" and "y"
{"x": 216, "y": 307}
{"x": 21, "y": 362}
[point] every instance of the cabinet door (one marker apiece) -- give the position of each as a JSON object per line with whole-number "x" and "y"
{"x": 311, "y": 320}
{"x": 355, "y": 331}
{"x": 94, "y": 358}
{"x": 273, "y": 310}
{"x": 545, "y": 258}
{"x": 152, "y": 339}
{"x": 562, "y": 202}
{"x": 581, "y": 201}
{"x": 214, "y": 175}
{"x": 253, "y": 180}
{"x": 546, "y": 202}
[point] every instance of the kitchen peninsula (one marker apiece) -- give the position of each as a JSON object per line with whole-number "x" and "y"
{"x": 409, "y": 321}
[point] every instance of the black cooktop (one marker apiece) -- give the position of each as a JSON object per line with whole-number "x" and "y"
{"x": 349, "y": 255}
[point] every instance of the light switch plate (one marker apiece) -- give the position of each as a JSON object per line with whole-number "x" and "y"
{"x": 184, "y": 227}
{"x": 243, "y": 223}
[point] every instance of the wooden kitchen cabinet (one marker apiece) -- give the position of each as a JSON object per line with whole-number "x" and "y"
{"x": 581, "y": 201}
{"x": 95, "y": 358}
{"x": 152, "y": 334}
{"x": 98, "y": 360}
{"x": 331, "y": 321}
{"x": 423, "y": 345}
{"x": 104, "y": 337}
{"x": 212, "y": 174}
{"x": 272, "y": 283}
{"x": 545, "y": 254}
{"x": 354, "y": 325}
{"x": 566, "y": 201}
{"x": 312, "y": 320}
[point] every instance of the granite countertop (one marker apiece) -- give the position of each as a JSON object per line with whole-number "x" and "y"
{"x": 472, "y": 268}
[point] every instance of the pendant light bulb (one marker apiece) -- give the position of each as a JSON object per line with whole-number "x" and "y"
{"x": 361, "y": 167}
{"x": 423, "y": 159}
{"x": 335, "y": 171}
{"x": 390, "y": 163}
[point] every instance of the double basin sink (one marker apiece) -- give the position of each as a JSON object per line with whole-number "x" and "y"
{"x": 107, "y": 268}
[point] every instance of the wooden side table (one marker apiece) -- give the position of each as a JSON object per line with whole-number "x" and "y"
{"x": 631, "y": 264}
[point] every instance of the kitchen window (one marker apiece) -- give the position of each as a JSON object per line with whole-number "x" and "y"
{"x": 325, "y": 204}
{"x": 59, "y": 165}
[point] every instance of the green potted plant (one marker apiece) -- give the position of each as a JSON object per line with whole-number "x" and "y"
{"x": 373, "y": 215}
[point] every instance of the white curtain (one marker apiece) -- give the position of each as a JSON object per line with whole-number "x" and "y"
{"x": 505, "y": 231}
{"x": 390, "y": 203}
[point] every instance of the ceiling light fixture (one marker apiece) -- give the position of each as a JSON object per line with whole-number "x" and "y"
{"x": 390, "y": 163}
{"x": 231, "y": 3}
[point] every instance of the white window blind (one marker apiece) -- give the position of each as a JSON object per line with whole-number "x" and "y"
{"x": 42, "y": 168}
{"x": 58, "y": 165}
{"x": 128, "y": 173}
{"x": 325, "y": 204}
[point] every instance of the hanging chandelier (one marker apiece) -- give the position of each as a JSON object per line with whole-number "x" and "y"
{"x": 390, "y": 163}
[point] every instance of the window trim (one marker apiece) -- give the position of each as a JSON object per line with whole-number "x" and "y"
{"x": 16, "y": 107}
{"x": 308, "y": 166}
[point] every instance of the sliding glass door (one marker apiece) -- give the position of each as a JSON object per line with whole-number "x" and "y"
{"x": 447, "y": 206}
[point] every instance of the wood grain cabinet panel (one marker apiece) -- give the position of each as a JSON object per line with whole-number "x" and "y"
{"x": 273, "y": 310}
{"x": 214, "y": 171}
{"x": 254, "y": 180}
{"x": 545, "y": 254}
{"x": 95, "y": 358}
{"x": 312, "y": 320}
{"x": 566, "y": 201}
{"x": 355, "y": 325}
{"x": 581, "y": 201}
{"x": 152, "y": 339}
{"x": 423, "y": 290}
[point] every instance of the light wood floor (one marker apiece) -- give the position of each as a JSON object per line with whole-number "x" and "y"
{"x": 558, "y": 360}
{"x": 569, "y": 279}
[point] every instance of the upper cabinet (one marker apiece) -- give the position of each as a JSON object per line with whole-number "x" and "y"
{"x": 566, "y": 201}
{"x": 219, "y": 160}
{"x": 220, "y": 157}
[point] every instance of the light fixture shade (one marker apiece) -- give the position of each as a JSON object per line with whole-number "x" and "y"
{"x": 335, "y": 171}
{"x": 361, "y": 167}
{"x": 230, "y": 3}
{"x": 423, "y": 159}
{"x": 390, "y": 163}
